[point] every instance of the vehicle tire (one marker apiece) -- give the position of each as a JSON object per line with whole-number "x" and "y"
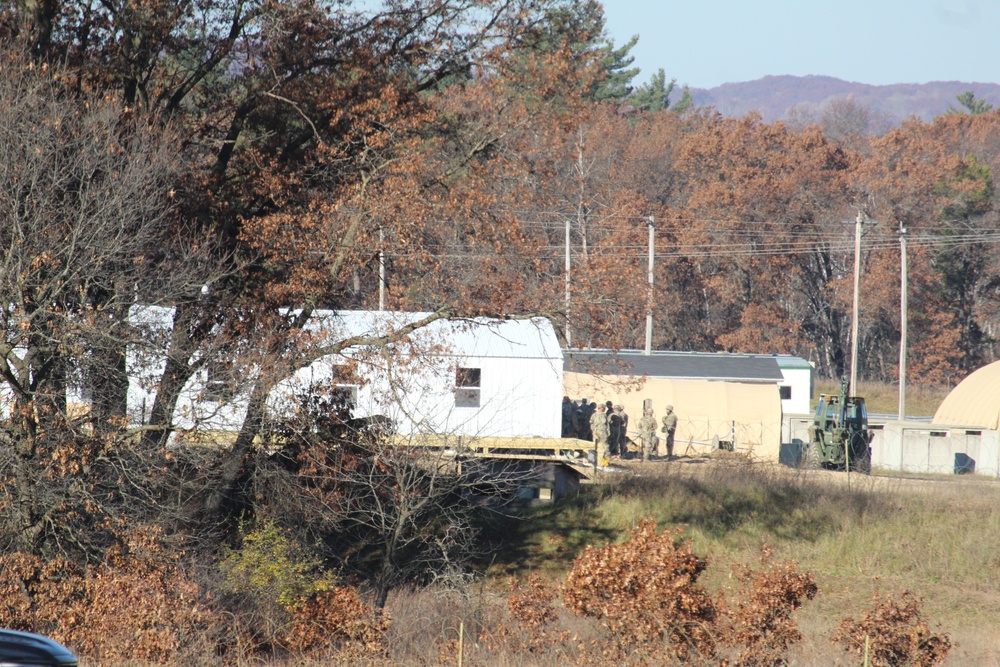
{"x": 813, "y": 459}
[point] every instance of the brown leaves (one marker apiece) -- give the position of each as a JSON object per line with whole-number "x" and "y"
{"x": 335, "y": 619}
{"x": 138, "y": 605}
{"x": 759, "y": 620}
{"x": 645, "y": 591}
{"x": 897, "y": 634}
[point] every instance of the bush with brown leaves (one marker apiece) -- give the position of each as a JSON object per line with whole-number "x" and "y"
{"x": 335, "y": 620}
{"x": 759, "y": 620}
{"x": 646, "y": 593}
{"x": 530, "y": 605}
{"x": 897, "y": 632}
{"x": 138, "y": 605}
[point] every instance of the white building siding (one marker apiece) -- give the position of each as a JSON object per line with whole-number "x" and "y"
{"x": 517, "y": 396}
{"x": 798, "y": 381}
{"x": 412, "y": 383}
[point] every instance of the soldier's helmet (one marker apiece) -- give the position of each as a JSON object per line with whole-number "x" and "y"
{"x": 601, "y": 407}
{"x": 619, "y": 408}
{"x": 670, "y": 408}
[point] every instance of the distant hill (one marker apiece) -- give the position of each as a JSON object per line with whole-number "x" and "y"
{"x": 773, "y": 96}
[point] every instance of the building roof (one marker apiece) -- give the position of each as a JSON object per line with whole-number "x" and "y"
{"x": 676, "y": 365}
{"x": 532, "y": 338}
{"x": 786, "y": 360}
{"x": 974, "y": 402}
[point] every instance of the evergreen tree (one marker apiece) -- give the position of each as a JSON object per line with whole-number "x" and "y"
{"x": 655, "y": 95}
{"x": 970, "y": 105}
{"x": 685, "y": 103}
{"x": 616, "y": 65}
{"x": 583, "y": 23}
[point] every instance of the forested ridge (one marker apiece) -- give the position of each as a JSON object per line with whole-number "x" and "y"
{"x": 786, "y": 97}
{"x": 247, "y": 162}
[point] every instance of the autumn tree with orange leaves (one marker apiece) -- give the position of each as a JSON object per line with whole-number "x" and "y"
{"x": 313, "y": 137}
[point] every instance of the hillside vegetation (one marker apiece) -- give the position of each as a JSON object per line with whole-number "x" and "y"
{"x": 188, "y": 188}
{"x": 875, "y": 537}
{"x": 784, "y": 97}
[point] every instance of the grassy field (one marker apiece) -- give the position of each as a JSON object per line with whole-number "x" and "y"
{"x": 882, "y": 398}
{"x": 935, "y": 538}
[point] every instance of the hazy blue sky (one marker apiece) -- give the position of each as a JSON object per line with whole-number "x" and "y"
{"x": 704, "y": 43}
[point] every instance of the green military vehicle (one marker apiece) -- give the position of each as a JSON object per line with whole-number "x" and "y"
{"x": 839, "y": 436}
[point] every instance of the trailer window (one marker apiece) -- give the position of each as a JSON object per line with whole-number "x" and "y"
{"x": 467, "y": 387}
{"x": 345, "y": 385}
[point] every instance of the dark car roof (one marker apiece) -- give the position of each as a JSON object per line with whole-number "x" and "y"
{"x": 677, "y": 365}
{"x": 25, "y": 648}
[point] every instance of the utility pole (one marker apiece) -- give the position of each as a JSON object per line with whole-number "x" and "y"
{"x": 651, "y": 222}
{"x": 569, "y": 337}
{"x": 858, "y": 225}
{"x": 902, "y": 321}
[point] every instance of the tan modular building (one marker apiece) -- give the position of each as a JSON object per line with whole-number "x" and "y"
{"x": 717, "y": 397}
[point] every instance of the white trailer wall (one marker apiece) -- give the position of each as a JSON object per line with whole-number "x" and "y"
{"x": 518, "y": 397}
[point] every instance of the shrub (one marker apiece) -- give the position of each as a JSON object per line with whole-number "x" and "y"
{"x": 337, "y": 620}
{"x": 898, "y": 634}
{"x": 759, "y": 620}
{"x": 137, "y": 605}
{"x": 645, "y": 591}
{"x": 530, "y": 606}
{"x": 270, "y": 564}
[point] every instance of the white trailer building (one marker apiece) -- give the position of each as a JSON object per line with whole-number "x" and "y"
{"x": 474, "y": 377}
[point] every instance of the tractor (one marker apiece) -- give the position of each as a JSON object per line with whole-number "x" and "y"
{"x": 839, "y": 437}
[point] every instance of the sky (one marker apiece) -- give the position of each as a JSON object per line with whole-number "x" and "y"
{"x": 705, "y": 43}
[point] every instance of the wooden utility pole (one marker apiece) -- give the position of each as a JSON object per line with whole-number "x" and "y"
{"x": 902, "y": 321}
{"x": 858, "y": 225}
{"x": 569, "y": 335}
{"x": 649, "y": 289}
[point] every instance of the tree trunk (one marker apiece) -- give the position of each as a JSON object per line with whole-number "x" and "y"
{"x": 184, "y": 340}
{"x": 109, "y": 382}
{"x": 224, "y": 496}
{"x": 382, "y": 583}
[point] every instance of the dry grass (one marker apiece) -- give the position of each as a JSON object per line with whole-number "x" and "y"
{"x": 883, "y": 398}
{"x": 878, "y": 535}
{"x": 881, "y": 535}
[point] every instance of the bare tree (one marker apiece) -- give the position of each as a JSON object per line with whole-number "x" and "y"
{"x": 84, "y": 199}
{"x": 389, "y": 507}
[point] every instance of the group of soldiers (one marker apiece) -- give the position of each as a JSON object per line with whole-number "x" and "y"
{"x": 606, "y": 425}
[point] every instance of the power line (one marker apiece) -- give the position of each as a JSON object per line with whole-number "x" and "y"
{"x": 735, "y": 249}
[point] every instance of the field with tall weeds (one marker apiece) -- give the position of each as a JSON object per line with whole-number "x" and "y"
{"x": 927, "y": 540}
{"x": 697, "y": 561}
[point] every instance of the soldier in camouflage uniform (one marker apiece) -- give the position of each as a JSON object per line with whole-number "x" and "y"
{"x": 647, "y": 434}
{"x": 599, "y": 427}
{"x": 623, "y": 435}
{"x": 669, "y": 426}
{"x": 616, "y": 431}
